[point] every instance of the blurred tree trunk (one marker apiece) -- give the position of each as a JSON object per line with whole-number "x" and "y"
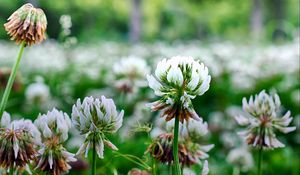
{"x": 256, "y": 19}
{"x": 278, "y": 15}
{"x": 34, "y": 2}
{"x": 135, "y": 21}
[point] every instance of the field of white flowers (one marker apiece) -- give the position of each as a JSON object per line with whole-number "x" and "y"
{"x": 181, "y": 108}
{"x": 54, "y": 75}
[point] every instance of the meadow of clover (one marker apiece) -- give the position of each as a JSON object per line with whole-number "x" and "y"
{"x": 160, "y": 87}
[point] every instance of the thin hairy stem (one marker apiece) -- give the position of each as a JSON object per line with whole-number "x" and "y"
{"x": 11, "y": 80}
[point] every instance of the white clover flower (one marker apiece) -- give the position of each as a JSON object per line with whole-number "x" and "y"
{"x": 37, "y": 93}
{"x": 241, "y": 158}
{"x": 54, "y": 124}
{"x": 18, "y": 142}
{"x": 130, "y": 73}
{"x": 195, "y": 130}
{"x": 52, "y": 156}
{"x": 95, "y": 118}
{"x": 66, "y": 23}
{"x": 263, "y": 119}
{"x": 177, "y": 81}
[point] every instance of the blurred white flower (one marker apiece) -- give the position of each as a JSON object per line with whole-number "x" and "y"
{"x": 195, "y": 130}
{"x": 241, "y": 158}
{"x": 263, "y": 119}
{"x": 37, "y": 93}
{"x": 95, "y": 118}
{"x": 177, "y": 81}
{"x": 130, "y": 73}
{"x": 66, "y": 24}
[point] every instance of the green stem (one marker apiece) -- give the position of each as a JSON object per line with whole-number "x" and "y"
{"x": 153, "y": 167}
{"x": 259, "y": 162}
{"x": 11, "y": 80}
{"x": 11, "y": 170}
{"x": 175, "y": 147}
{"x": 260, "y": 152}
{"x": 94, "y": 157}
{"x": 236, "y": 171}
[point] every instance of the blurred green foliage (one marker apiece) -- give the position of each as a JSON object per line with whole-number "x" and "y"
{"x": 161, "y": 19}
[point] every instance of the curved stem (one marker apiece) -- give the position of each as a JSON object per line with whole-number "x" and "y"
{"x": 11, "y": 80}
{"x": 175, "y": 147}
{"x": 94, "y": 158}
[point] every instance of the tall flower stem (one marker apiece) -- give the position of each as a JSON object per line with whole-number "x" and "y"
{"x": 259, "y": 162}
{"x": 236, "y": 171}
{"x": 154, "y": 168}
{"x": 175, "y": 147}
{"x": 94, "y": 158}
{"x": 11, "y": 79}
{"x": 260, "y": 152}
{"x": 11, "y": 170}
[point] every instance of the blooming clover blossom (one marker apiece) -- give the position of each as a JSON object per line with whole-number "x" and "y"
{"x": 130, "y": 73}
{"x": 177, "y": 81}
{"x": 37, "y": 93}
{"x": 54, "y": 124}
{"x": 263, "y": 119}
{"x": 241, "y": 158}
{"x": 18, "y": 142}
{"x": 189, "y": 153}
{"x": 52, "y": 156}
{"x": 95, "y": 118}
{"x": 194, "y": 130}
{"x": 27, "y": 24}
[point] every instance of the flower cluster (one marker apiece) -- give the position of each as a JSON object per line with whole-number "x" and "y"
{"x": 95, "y": 118}
{"x": 190, "y": 150}
{"x": 18, "y": 143}
{"x": 177, "y": 81}
{"x": 52, "y": 156}
{"x": 263, "y": 120}
{"x": 27, "y": 24}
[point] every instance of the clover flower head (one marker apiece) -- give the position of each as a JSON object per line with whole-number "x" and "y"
{"x": 54, "y": 124}
{"x": 177, "y": 81}
{"x": 95, "y": 118}
{"x": 263, "y": 120}
{"x": 27, "y": 24}
{"x": 54, "y": 158}
{"x": 189, "y": 153}
{"x": 241, "y": 158}
{"x": 130, "y": 73}
{"x": 194, "y": 130}
{"x": 18, "y": 142}
{"x": 37, "y": 93}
